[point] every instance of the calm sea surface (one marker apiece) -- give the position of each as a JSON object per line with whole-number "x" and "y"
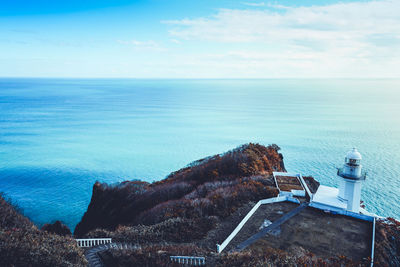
{"x": 58, "y": 136}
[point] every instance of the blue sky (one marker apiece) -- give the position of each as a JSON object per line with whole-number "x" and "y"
{"x": 200, "y": 39}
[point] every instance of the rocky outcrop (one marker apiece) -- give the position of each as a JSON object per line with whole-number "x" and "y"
{"x": 57, "y": 228}
{"x": 214, "y": 186}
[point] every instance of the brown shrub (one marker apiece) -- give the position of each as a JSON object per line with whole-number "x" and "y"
{"x": 175, "y": 230}
{"x": 150, "y": 256}
{"x": 37, "y": 248}
{"x": 142, "y": 203}
{"x": 57, "y": 228}
{"x": 218, "y": 201}
{"x": 387, "y": 243}
{"x": 22, "y": 244}
{"x": 10, "y": 217}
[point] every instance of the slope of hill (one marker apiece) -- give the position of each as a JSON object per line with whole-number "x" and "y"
{"x": 195, "y": 208}
{"x": 23, "y": 244}
{"x": 187, "y": 213}
{"x": 214, "y": 186}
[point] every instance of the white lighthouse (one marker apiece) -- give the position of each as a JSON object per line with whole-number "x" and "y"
{"x": 351, "y": 180}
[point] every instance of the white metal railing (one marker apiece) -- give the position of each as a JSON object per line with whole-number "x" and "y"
{"x": 373, "y": 242}
{"x": 92, "y": 242}
{"x": 306, "y": 187}
{"x": 292, "y": 199}
{"x": 337, "y": 210}
{"x": 298, "y": 193}
{"x": 273, "y": 200}
{"x": 197, "y": 261}
{"x": 221, "y": 247}
{"x": 342, "y": 173}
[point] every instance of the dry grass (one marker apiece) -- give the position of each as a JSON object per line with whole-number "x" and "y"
{"x": 23, "y": 244}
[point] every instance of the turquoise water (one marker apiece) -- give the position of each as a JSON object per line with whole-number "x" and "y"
{"x": 58, "y": 136}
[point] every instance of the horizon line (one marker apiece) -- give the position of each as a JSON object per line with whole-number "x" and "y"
{"x": 201, "y": 78}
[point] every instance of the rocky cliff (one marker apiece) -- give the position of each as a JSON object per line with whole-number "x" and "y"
{"x": 185, "y": 214}
{"x": 214, "y": 186}
{"x": 198, "y": 206}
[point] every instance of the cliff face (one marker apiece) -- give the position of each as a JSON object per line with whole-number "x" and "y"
{"x": 198, "y": 206}
{"x": 214, "y": 186}
{"x": 185, "y": 214}
{"x": 23, "y": 244}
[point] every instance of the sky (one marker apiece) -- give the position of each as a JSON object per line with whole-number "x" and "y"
{"x": 200, "y": 39}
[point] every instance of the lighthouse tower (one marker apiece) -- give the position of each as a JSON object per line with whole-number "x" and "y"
{"x": 351, "y": 178}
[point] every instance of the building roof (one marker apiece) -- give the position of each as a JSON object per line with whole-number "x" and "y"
{"x": 328, "y": 196}
{"x": 354, "y": 154}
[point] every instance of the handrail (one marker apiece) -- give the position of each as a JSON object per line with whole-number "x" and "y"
{"x": 294, "y": 192}
{"x": 341, "y": 173}
{"x": 222, "y": 246}
{"x": 373, "y": 243}
{"x": 192, "y": 260}
{"x": 91, "y": 242}
{"x": 306, "y": 187}
{"x": 238, "y": 228}
{"x": 271, "y": 227}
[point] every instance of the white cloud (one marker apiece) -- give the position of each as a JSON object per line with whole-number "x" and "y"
{"x": 344, "y": 39}
{"x": 145, "y": 45}
{"x": 254, "y": 4}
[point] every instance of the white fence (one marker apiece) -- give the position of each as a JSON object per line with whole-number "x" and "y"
{"x": 306, "y": 187}
{"x": 336, "y": 210}
{"x": 221, "y": 247}
{"x": 189, "y": 260}
{"x": 298, "y": 193}
{"x": 373, "y": 242}
{"x": 92, "y": 242}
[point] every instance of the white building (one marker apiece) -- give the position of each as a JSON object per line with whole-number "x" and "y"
{"x": 348, "y": 196}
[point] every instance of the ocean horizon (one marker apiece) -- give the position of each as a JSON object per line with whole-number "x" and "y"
{"x": 59, "y": 136}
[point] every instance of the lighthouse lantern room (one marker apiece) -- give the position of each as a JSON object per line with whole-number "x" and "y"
{"x": 351, "y": 180}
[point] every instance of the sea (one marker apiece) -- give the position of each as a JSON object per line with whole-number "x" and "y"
{"x": 59, "y": 136}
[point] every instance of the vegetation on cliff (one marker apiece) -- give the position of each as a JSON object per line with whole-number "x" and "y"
{"x": 187, "y": 213}
{"x": 23, "y": 244}
{"x": 214, "y": 186}
{"x": 158, "y": 255}
{"x": 387, "y": 243}
{"x": 197, "y": 207}
{"x": 57, "y": 228}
